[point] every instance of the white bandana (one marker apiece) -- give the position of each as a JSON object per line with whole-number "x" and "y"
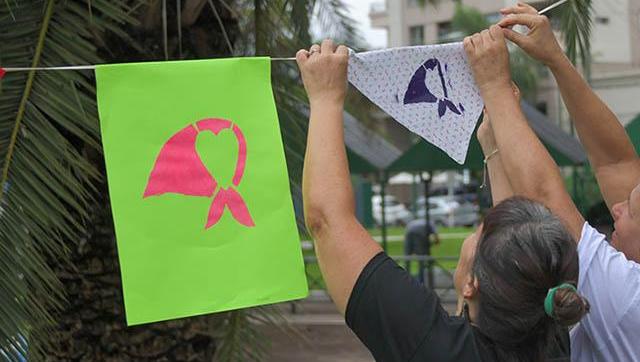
{"x": 428, "y": 89}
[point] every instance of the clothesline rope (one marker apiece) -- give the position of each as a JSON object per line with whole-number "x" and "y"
{"x": 85, "y": 67}
{"x": 93, "y": 66}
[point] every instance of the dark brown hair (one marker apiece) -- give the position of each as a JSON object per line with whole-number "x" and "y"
{"x": 523, "y": 251}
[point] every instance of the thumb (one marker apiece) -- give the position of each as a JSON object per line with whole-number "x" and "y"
{"x": 515, "y": 37}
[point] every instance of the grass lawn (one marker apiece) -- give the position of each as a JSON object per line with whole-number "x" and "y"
{"x": 449, "y": 246}
{"x": 399, "y": 230}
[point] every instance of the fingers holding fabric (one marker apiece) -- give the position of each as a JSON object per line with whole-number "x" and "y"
{"x": 302, "y": 56}
{"x": 468, "y": 44}
{"x": 528, "y": 20}
{"x": 489, "y": 59}
{"x": 477, "y": 41}
{"x": 314, "y": 49}
{"x": 324, "y": 71}
{"x": 327, "y": 46}
{"x": 519, "y": 8}
{"x": 539, "y": 42}
{"x": 342, "y": 50}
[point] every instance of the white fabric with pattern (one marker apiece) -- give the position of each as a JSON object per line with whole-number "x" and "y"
{"x": 428, "y": 89}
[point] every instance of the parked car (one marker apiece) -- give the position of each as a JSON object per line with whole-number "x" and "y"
{"x": 447, "y": 211}
{"x": 468, "y": 192}
{"x": 395, "y": 212}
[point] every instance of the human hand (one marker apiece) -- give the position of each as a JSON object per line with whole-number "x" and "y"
{"x": 324, "y": 72}
{"x": 489, "y": 59}
{"x": 540, "y": 42}
{"x": 485, "y": 131}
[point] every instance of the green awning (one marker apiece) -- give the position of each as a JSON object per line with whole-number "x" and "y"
{"x": 367, "y": 151}
{"x": 633, "y": 130}
{"x": 423, "y": 156}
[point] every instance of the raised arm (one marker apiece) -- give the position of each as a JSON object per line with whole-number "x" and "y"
{"x": 342, "y": 245}
{"x": 500, "y": 185}
{"x": 529, "y": 168}
{"x": 610, "y": 151}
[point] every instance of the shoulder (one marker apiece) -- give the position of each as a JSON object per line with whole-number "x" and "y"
{"x": 415, "y": 224}
{"x": 611, "y": 284}
{"x": 600, "y": 261}
{"x": 399, "y": 319}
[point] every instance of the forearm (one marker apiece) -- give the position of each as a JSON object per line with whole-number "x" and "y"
{"x": 599, "y": 130}
{"x": 608, "y": 147}
{"x": 326, "y": 183}
{"x": 500, "y": 185}
{"x": 342, "y": 245}
{"x": 529, "y": 168}
{"x": 523, "y": 157}
{"x": 499, "y": 182}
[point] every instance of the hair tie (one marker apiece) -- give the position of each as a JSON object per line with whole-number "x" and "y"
{"x": 548, "y": 301}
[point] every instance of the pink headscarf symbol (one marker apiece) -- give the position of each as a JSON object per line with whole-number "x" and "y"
{"x": 179, "y": 169}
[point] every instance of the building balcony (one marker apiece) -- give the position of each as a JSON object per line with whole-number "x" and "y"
{"x": 378, "y": 14}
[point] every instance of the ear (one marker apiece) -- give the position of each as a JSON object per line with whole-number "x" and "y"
{"x": 470, "y": 288}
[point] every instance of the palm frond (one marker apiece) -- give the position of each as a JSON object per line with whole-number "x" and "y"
{"x": 45, "y": 121}
{"x": 334, "y": 21}
{"x": 575, "y": 18}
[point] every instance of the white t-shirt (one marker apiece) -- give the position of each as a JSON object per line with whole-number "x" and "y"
{"x": 611, "y": 283}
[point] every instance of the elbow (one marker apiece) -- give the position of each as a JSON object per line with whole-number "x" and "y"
{"x": 322, "y": 221}
{"x": 544, "y": 192}
{"x": 315, "y": 219}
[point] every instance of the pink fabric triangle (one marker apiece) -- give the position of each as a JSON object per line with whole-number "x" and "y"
{"x": 178, "y": 168}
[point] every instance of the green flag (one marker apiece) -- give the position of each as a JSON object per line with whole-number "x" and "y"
{"x": 198, "y": 186}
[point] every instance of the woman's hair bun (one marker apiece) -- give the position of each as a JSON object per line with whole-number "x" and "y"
{"x": 569, "y": 306}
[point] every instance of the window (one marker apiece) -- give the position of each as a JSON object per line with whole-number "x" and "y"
{"x": 412, "y": 3}
{"x": 416, "y": 35}
{"x": 444, "y": 30}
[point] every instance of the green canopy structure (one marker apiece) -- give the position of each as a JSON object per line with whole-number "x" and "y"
{"x": 423, "y": 156}
{"x": 633, "y": 130}
{"x": 368, "y": 152}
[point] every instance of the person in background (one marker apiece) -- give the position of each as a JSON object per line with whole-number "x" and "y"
{"x": 609, "y": 278}
{"x": 417, "y": 241}
{"x": 515, "y": 279}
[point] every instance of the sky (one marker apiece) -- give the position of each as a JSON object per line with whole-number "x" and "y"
{"x": 359, "y": 10}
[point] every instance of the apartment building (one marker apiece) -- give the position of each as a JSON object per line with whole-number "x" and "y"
{"x": 615, "y": 46}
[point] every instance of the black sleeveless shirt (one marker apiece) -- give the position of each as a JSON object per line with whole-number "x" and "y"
{"x": 399, "y": 319}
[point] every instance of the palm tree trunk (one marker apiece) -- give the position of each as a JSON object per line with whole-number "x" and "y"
{"x": 92, "y": 327}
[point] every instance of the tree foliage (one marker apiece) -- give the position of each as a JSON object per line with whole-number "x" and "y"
{"x": 47, "y": 120}
{"x": 49, "y": 128}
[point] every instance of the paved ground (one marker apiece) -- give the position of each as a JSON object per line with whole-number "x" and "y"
{"x": 319, "y": 334}
{"x": 318, "y": 343}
